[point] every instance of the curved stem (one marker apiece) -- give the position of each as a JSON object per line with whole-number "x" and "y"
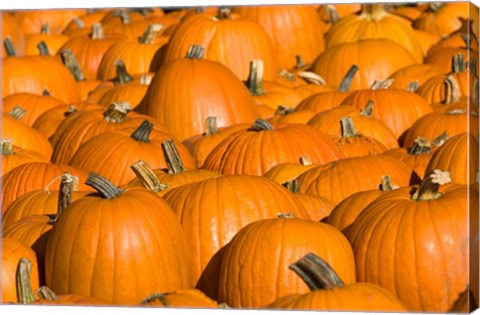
{"x": 312, "y": 78}
{"x": 151, "y": 33}
{"x": 172, "y": 157}
{"x": 261, "y": 125}
{"x": 147, "y": 177}
{"x": 452, "y": 90}
{"x": 72, "y": 64}
{"x": 122, "y": 74}
{"x": 347, "y": 80}
{"x": 428, "y": 189}
{"x": 9, "y": 47}
{"x": 156, "y": 296}
{"x": 117, "y": 112}
{"x": 382, "y": 84}
{"x": 103, "y": 186}
{"x": 24, "y": 287}
{"x": 440, "y": 140}
{"x": 316, "y": 273}
{"x": 43, "y": 48}
{"x": 195, "y": 52}
{"x": 255, "y": 78}
{"x": 45, "y": 293}
{"x": 17, "y": 112}
{"x": 211, "y": 125}
{"x": 142, "y": 133}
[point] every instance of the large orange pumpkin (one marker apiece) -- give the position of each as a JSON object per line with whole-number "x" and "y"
{"x": 278, "y": 243}
{"x": 13, "y": 156}
{"x": 153, "y": 254}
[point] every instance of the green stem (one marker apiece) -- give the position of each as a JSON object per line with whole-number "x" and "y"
{"x": 172, "y": 157}
{"x": 103, "y": 186}
{"x": 45, "y": 29}
{"x": 347, "y": 80}
{"x": 255, "y": 78}
{"x": 348, "y": 128}
{"x": 368, "y": 110}
{"x": 316, "y": 273}
{"x": 24, "y": 287}
{"x": 9, "y": 47}
{"x": 142, "y": 133}
{"x": 195, "y": 52}
{"x": 72, "y": 64}
{"x": 428, "y": 189}
{"x": 122, "y": 74}
{"x": 261, "y": 125}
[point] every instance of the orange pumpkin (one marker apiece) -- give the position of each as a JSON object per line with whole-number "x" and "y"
{"x": 13, "y": 156}
{"x": 33, "y": 104}
{"x": 155, "y": 236}
{"x": 192, "y": 298}
{"x": 52, "y": 41}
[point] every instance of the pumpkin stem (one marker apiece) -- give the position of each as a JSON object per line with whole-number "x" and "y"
{"x": 211, "y": 125}
{"x": 172, "y": 157}
{"x": 24, "y": 287}
{"x": 299, "y": 62}
{"x": 347, "y": 80}
{"x": 68, "y": 185}
{"x": 103, "y": 186}
{"x": 142, "y": 133}
{"x": 147, "y": 176}
{"x": 413, "y": 86}
{"x": 255, "y": 78}
{"x": 420, "y": 146}
{"x": 382, "y": 84}
{"x": 260, "y": 125}
{"x": 386, "y": 184}
{"x": 117, "y": 112}
{"x": 286, "y": 215}
{"x": 348, "y": 128}
{"x": 458, "y": 63}
{"x": 43, "y": 48}
{"x": 374, "y": 11}
{"x": 287, "y": 75}
{"x": 293, "y": 185}
{"x": 428, "y": 189}
{"x": 312, "y": 78}
{"x": 71, "y": 109}
{"x": 195, "y": 52}
{"x": 333, "y": 15}
{"x": 282, "y": 110}
{"x": 200, "y": 9}
{"x": 151, "y": 33}
{"x": 368, "y": 109}
{"x": 124, "y": 16}
{"x": 122, "y": 74}
{"x": 452, "y": 90}
{"x": 435, "y": 6}
{"x": 45, "y": 293}
{"x": 156, "y": 296}
{"x": 72, "y": 64}
{"x": 9, "y": 47}
{"x": 305, "y": 160}
{"x": 17, "y": 112}
{"x": 6, "y": 147}
{"x": 45, "y": 93}
{"x": 440, "y": 140}
{"x": 223, "y": 13}
{"x": 316, "y": 273}
{"x": 97, "y": 31}
{"x": 145, "y": 79}
{"x": 45, "y": 28}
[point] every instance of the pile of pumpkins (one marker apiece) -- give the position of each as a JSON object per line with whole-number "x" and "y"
{"x": 307, "y": 157}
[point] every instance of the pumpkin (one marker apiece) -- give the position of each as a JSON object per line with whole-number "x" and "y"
{"x": 345, "y": 213}
{"x": 85, "y": 21}
{"x": 428, "y": 262}
{"x": 52, "y": 41}
{"x": 368, "y": 55}
{"x": 173, "y": 96}
{"x": 278, "y": 242}
{"x": 201, "y": 29}
{"x": 453, "y": 121}
{"x": 23, "y": 135}
{"x": 374, "y": 21}
{"x": 128, "y": 147}
{"x": 124, "y": 23}
{"x": 442, "y": 57}
{"x": 352, "y": 175}
{"x": 354, "y": 144}
{"x": 48, "y": 122}
{"x": 33, "y": 104}
{"x": 285, "y": 172}
{"x": 155, "y": 236}
{"x": 290, "y": 115}
{"x": 14, "y": 251}
{"x": 192, "y": 298}
{"x": 367, "y": 125}
{"x": 137, "y": 54}
{"x": 416, "y": 72}
{"x": 293, "y": 29}
{"x": 459, "y": 156}
{"x": 31, "y": 20}
{"x": 89, "y": 49}
{"x": 330, "y": 293}
{"x": 255, "y": 150}
{"x": 32, "y": 176}
{"x": 399, "y": 109}
{"x": 13, "y": 156}
{"x": 211, "y": 225}
{"x": 35, "y": 74}
{"x": 331, "y": 13}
